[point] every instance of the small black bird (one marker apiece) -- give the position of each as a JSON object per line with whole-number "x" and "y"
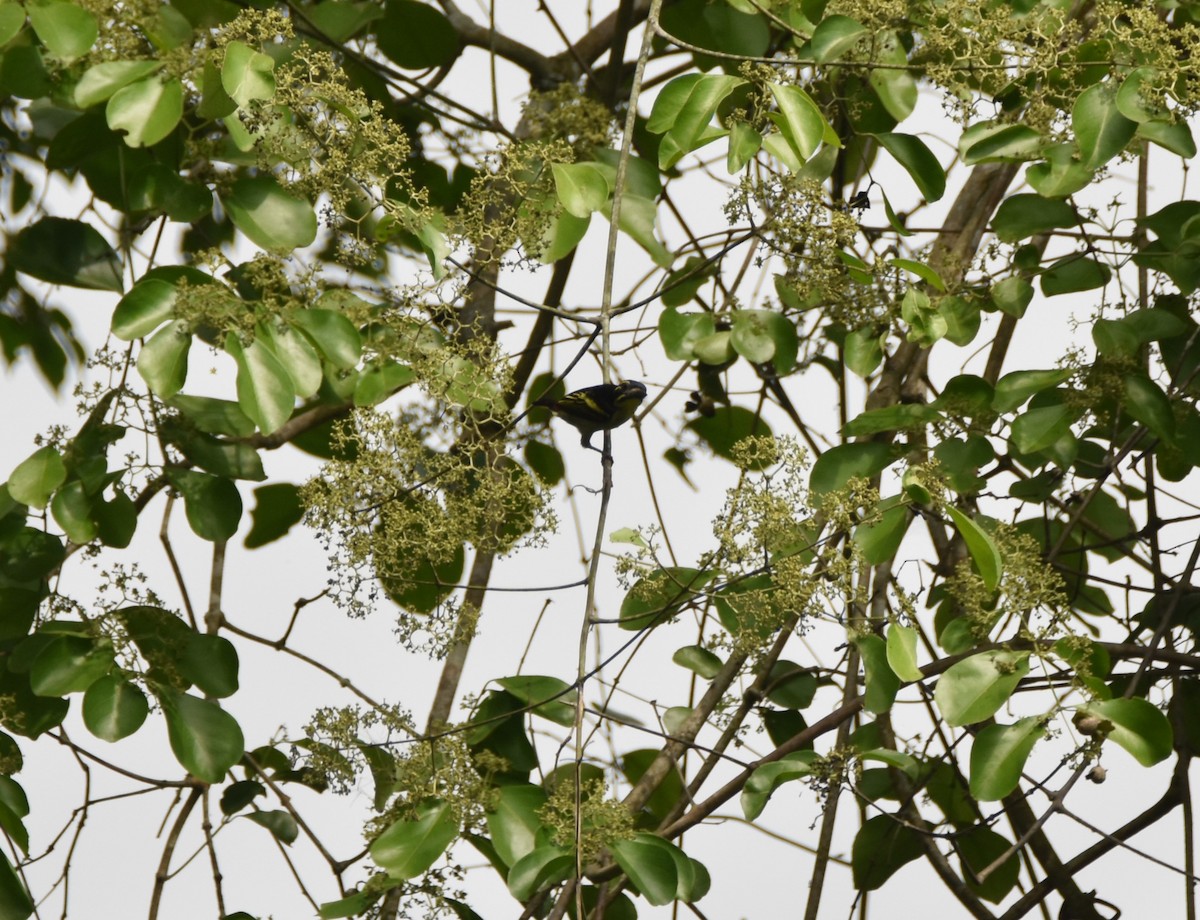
{"x": 599, "y": 408}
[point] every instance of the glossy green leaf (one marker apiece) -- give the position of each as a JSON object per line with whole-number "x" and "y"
{"x": 881, "y": 682}
{"x": 699, "y": 660}
{"x": 1176, "y": 138}
{"x": 638, "y": 219}
{"x": 726, "y": 427}
{"x": 682, "y": 113}
{"x": 539, "y": 869}
{"x": 332, "y": 333}
{"x": 1072, "y": 274}
{"x": 247, "y": 75}
{"x": 799, "y": 119}
{"x": 649, "y": 865}
{"x": 882, "y": 846}
{"x": 659, "y": 596}
{"x": 981, "y": 546}
{"x": 679, "y": 332}
{"x": 410, "y": 846}
{"x": 264, "y": 388}
{"x": 1039, "y": 429}
{"x": 975, "y": 688}
{"x": 296, "y": 354}
{"x": 1060, "y": 174}
{"x": 893, "y": 84}
{"x": 211, "y": 663}
{"x": 1137, "y": 99}
{"x": 277, "y": 508}
{"x": 271, "y": 217}
{"x": 69, "y": 252}
{"x": 163, "y": 360}
{"x": 863, "y": 349}
{"x": 12, "y": 20}
{"x": 67, "y": 29}
{"x": 36, "y": 477}
{"x": 72, "y": 511}
{"x": 902, "y": 652}
{"x": 206, "y": 739}
{"x": 113, "y": 708}
{"x": 998, "y": 756}
{"x": 918, "y": 161}
{"x": 985, "y": 143}
{"x": 1149, "y": 405}
{"x": 146, "y": 110}
{"x": 514, "y": 820}
{"x": 880, "y": 540}
{"x": 549, "y": 697}
{"x": 840, "y": 464}
{"x": 1138, "y": 726}
{"x": 580, "y": 187}
{"x": 69, "y": 664}
{"x": 214, "y": 416}
{"x": 904, "y": 416}
{"x": 149, "y": 304}
{"x": 1100, "y": 129}
{"x": 1012, "y": 295}
{"x": 762, "y": 336}
{"x": 100, "y": 81}
{"x": 15, "y": 903}
{"x": 834, "y": 36}
{"x": 1023, "y": 216}
{"x": 978, "y": 848}
{"x": 1013, "y": 389}
{"x": 416, "y": 35}
{"x": 744, "y": 143}
{"x": 280, "y": 823}
{"x": 212, "y": 503}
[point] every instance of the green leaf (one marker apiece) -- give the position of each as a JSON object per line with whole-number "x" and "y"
{"x": 904, "y": 416}
{"x": 981, "y": 143}
{"x": 902, "y": 652}
{"x": 246, "y": 74}
{"x": 69, "y": 664}
{"x": 919, "y": 162}
{"x": 1149, "y": 405}
{"x": 638, "y": 218}
{"x": 12, "y": 20}
{"x": 69, "y": 252}
{"x": 549, "y": 697}
{"x": 15, "y": 903}
{"x": 356, "y": 904}
{"x": 894, "y": 84}
{"x": 333, "y": 335}
{"x": 36, "y": 477}
{"x": 211, "y": 663}
{"x": 1074, "y": 273}
{"x": 799, "y": 119}
{"x": 978, "y": 848}
{"x": 276, "y": 510}
{"x": 149, "y": 304}
{"x": 658, "y": 596}
{"x": 1061, "y": 173}
{"x": 214, "y": 416}
{"x": 982, "y": 548}
{"x": 299, "y": 358}
{"x": 760, "y": 336}
{"x": 882, "y": 846}
{"x": 683, "y": 110}
{"x": 699, "y": 660}
{"x": 1039, "y": 429}
{"x": 206, "y": 739}
{"x": 280, "y": 823}
{"x": 998, "y": 756}
{"x": 1013, "y": 389}
{"x": 264, "y": 387}
{"x": 744, "y": 143}
{"x": 146, "y": 110}
{"x": 514, "y": 820}
{"x": 100, "y": 81}
{"x": 769, "y": 776}
{"x": 880, "y": 540}
{"x": 213, "y": 505}
{"x": 1023, "y": 216}
{"x": 410, "y": 846}
{"x": 539, "y": 869}
{"x": 863, "y": 349}
{"x": 67, "y": 30}
{"x": 647, "y": 860}
{"x": 72, "y": 510}
{"x": 1012, "y": 295}
{"x": 113, "y": 708}
{"x": 881, "y": 682}
{"x": 834, "y": 36}
{"x": 269, "y": 216}
{"x": 416, "y": 35}
{"x": 1137, "y": 98}
{"x": 726, "y": 427}
{"x": 580, "y": 187}
{"x": 1100, "y": 129}
{"x": 974, "y": 688}
{"x": 1175, "y": 138}
{"x": 679, "y": 332}
{"x": 163, "y": 360}
{"x": 1138, "y": 726}
{"x": 840, "y": 464}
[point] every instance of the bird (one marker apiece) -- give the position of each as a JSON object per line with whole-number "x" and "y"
{"x": 599, "y": 408}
